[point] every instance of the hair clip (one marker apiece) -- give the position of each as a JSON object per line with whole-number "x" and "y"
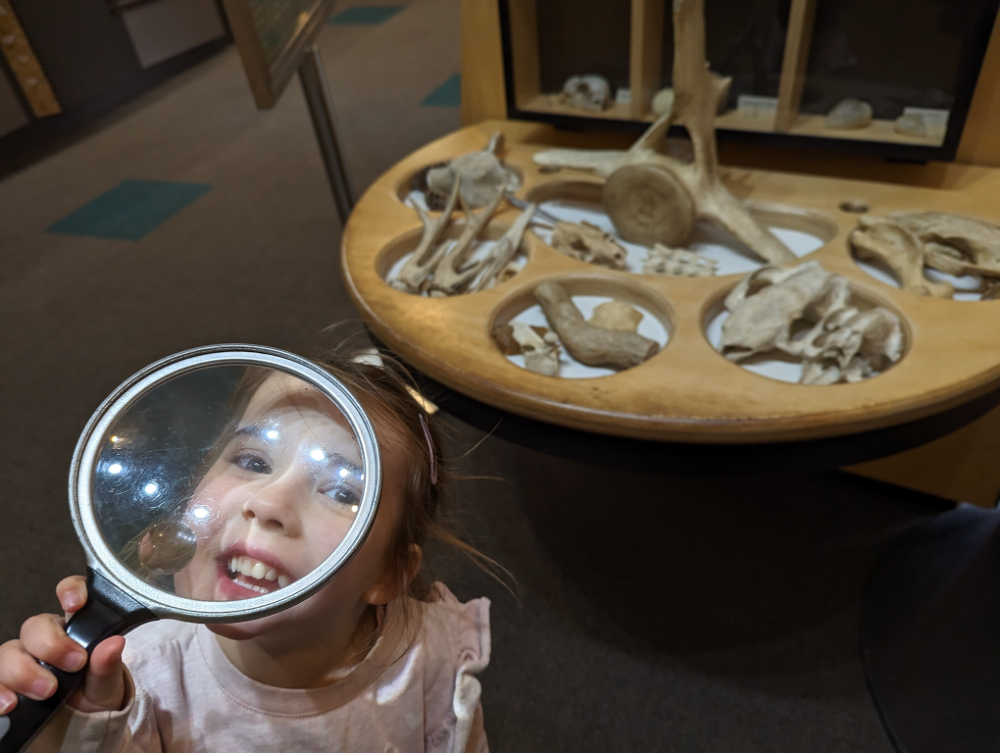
{"x": 430, "y": 449}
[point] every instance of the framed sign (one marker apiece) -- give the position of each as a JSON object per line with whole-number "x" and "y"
{"x": 273, "y": 37}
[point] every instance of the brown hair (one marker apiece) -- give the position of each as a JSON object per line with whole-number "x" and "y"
{"x": 387, "y": 390}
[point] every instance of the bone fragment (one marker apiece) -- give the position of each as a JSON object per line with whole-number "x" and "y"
{"x": 975, "y": 240}
{"x": 849, "y": 114}
{"x": 427, "y": 255}
{"x": 770, "y": 307}
{"x": 589, "y": 243}
{"x": 854, "y": 346}
{"x": 911, "y": 124}
{"x": 765, "y": 304}
{"x": 616, "y": 315}
{"x": 592, "y": 346}
{"x": 898, "y": 249}
{"x": 453, "y": 273}
{"x": 503, "y": 335}
{"x": 539, "y": 346}
{"x": 663, "y": 101}
{"x": 698, "y": 93}
{"x": 482, "y": 174}
{"x": 676, "y": 262}
{"x": 503, "y": 253}
{"x": 591, "y": 93}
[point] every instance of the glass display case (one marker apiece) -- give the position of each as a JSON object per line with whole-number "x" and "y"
{"x": 891, "y": 78}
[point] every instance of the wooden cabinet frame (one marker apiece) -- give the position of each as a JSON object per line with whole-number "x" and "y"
{"x": 514, "y": 85}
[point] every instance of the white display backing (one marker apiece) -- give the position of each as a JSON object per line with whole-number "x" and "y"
{"x": 650, "y": 327}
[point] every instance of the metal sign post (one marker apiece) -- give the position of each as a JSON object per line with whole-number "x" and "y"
{"x": 275, "y": 39}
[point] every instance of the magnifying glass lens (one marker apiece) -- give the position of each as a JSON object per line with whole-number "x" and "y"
{"x": 227, "y": 483}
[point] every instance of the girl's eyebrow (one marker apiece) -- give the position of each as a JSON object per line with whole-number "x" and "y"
{"x": 333, "y": 459}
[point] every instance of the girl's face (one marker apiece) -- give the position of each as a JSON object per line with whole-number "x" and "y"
{"x": 281, "y": 497}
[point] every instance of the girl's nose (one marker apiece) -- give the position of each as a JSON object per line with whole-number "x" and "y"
{"x": 276, "y": 505}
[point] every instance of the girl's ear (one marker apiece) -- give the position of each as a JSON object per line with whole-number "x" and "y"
{"x": 390, "y": 585}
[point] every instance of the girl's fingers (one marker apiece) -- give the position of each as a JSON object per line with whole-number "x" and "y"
{"x": 21, "y": 673}
{"x": 104, "y": 688}
{"x": 44, "y": 638}
{"x": 8, "y": 700}
{"x": 72, "y": 593}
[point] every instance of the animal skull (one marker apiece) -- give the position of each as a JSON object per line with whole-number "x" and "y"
{"x": 589, "y": 243}
{"x": 591, "y": 93}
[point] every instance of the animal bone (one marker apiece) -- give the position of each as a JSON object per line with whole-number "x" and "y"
{"x": 697, "y": 96}
{"x": 483, "y": 175}
{"x": 591, "y": 93}
{"x": 539, "y": 346}
{"x": 848, "y": 114}
{"x": 425, "y": 258}
{"x": 676, "y": 262}
{"x": 452, "y": 273}
{"x": 900, "y": 250}
{"x": 591, "y": 345}
{"x": 616, "y": 315}
{"x": 843, "y": 344}
{"x": 974, "y": 240}
{"x": 663, "y": 101}
{"x": 589, "y": 243}
{"x": 503, "y": 253}
{"x": 766, "y": 303}
{"x": 853, "y": 346}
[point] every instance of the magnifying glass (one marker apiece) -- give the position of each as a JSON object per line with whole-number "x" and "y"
{"x": 221, "y": 484}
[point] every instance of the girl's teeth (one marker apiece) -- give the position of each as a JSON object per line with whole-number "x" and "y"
{"x": 257, "y": 570}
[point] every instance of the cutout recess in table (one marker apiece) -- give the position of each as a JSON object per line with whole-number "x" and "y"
{"x": 569, "y": 368}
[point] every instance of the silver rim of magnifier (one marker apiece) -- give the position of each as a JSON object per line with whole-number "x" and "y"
{"x": 160, "y": 602}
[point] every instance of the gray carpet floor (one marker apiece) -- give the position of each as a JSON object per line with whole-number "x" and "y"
{"x": 654, "y": 614}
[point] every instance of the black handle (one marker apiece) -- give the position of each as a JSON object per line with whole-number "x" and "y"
{"x": 107, "y": 612}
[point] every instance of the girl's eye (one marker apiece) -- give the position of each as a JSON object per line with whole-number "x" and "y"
{"x": 343, "y": 495}
{"x": 251, "y": 461}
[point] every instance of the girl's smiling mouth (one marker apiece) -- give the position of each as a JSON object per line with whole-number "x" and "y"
{"x": 244, "y": 573}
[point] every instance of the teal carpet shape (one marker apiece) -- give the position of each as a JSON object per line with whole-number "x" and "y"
{"x": 449, "y": 94}
{"x": 371, "y": 15}
{"x": 131, "y": 210}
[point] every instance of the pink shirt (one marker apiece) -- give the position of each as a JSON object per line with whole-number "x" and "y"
{"x": 184, "y": 695}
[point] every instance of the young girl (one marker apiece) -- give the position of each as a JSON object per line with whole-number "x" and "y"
{"x": 375, "y": 661}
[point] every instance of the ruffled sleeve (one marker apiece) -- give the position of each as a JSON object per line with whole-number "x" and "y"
{"x": 460, "y": 636}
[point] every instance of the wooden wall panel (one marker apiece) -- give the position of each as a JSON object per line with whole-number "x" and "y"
{"x": 980, "y": 143}
{"x": 483, "y": 96}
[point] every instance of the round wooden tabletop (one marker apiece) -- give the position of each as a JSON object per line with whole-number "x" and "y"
{"x": 687, "y": 392}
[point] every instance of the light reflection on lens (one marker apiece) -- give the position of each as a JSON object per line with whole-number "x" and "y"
{"x": 150, "y": 488}
{"x": 115, "y": 468}
{"x": 318, "y": 455}
{"x": 271, "y": 434}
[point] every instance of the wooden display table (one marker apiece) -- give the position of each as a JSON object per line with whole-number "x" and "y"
{"x": 688, "y": 392}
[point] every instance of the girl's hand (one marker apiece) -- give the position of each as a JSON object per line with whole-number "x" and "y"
{"x": 43, "y": 638}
